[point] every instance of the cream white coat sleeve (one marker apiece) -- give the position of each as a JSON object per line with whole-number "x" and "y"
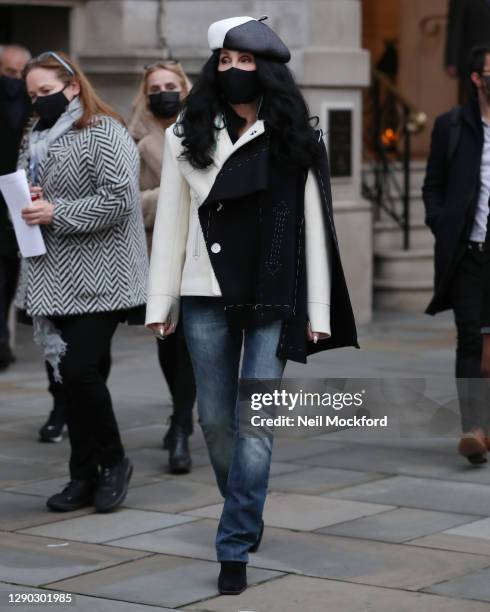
{"x": 169, "y": 241}
{"x": 318, "y": 259}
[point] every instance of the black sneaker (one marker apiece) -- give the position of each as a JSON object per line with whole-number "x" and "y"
{"x": 232, "y": 578}
{"x": 112, "y": 487}
{"x": 76, "y": 494}
{"x": 52, "y": 430}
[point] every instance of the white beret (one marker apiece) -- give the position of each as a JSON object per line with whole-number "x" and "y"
{"x": 247, "y": 34}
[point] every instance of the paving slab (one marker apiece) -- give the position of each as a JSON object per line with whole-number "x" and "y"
{"x": 21, "y": 511}
{"x": 303, "y": 512}
{"x": 389, "y": 460}
{"x": 190, "y": 540}
{"x": 34, "y": 561}
{"x": 474, "y": 585}
{"x": 398, "y": 525}
{"x": 361, "y": 561}
{"x": 172, "y": 495}
{"x": 303, "y": 594}
{"x": 18, "y": 471}
{"x": 314, "y": 480}
{"x": 159, "y": 580}
{"x": 458, "y": 543}
{"x": 205, "y": 474}
{"x": 99, "y": 528}
{"x": 80, "y": 603}
{"x": 432, "y": 494}
{"x": 313, "y": 554}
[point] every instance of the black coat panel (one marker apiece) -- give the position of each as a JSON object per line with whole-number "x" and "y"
{"x": 255, "y": 210}
{"x": 450, "y": 192}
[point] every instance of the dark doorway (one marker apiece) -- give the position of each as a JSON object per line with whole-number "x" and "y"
{"x": 39, "y": 28}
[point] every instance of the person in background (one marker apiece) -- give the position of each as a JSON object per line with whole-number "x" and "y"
{"x": 456, "y": 195}
{"x": 163, "y": 88}
{"x": 15, "y": 109}
{"x": 468, "y": 26}
{"x": 83, "y": 167}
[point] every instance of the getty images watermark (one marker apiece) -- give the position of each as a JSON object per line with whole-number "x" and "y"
{"x": 414, "y": 408}
{"x": 300, "y": 400}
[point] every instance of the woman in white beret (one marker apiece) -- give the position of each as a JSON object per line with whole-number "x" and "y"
{"x": 244, "y": 241}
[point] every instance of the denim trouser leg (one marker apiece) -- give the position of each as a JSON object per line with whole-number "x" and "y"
{"x": 244, "y": 461}
{"x": 215, "y": 356}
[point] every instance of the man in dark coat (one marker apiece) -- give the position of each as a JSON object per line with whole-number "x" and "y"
{"x": 456, "y": 195}
{"x": 14, "y": 111}
{"x": 468, "y": 26}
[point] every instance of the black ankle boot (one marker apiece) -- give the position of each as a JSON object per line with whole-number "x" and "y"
{"x": 232, "y": 578}
{"x": 77, "y": 494}
{"x": 179, "y": 458}
{"x": 255, "y": 547}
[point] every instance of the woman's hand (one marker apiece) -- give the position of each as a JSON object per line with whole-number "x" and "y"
{"x": 314, "y": 336}
{"x": 40, "y": 213}
{"x": 485, "y": 357}
{"x": 162, "y": 330}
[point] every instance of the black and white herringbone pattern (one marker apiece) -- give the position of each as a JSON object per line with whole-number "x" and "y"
{"x": 96, "y": 256}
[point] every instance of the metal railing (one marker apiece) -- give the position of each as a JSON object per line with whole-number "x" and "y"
{"x": 392, "y": 122}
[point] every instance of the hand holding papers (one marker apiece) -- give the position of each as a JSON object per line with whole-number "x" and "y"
{"x": 15, "y": 190}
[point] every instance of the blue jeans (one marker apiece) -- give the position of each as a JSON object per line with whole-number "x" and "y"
{"x": 241, "y": 464}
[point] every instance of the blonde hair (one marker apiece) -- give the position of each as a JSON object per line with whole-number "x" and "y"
{"x": 68, "y": 71}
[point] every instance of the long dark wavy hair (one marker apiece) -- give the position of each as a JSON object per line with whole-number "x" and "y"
{"x": 293, "y": 140}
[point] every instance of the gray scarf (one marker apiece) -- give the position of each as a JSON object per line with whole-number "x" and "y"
{"x": 45, "y": 333}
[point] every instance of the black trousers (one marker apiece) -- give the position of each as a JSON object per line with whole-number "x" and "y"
{"x": 467, "y": 290}
{"x": 92, "y": 426}
{"x": 176, "y": 366}
{"x": 58, "y": 392}
{"x": 9, "y": 272}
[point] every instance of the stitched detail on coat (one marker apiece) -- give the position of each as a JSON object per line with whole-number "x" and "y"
{"x": 255, "y": 306}
{"x": 273, "y": 263}
{"x": 245, "y": 161}
{"x": 326, "y": 200}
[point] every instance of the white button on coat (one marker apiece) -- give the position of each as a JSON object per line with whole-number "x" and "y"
{"x": 216, "y": 247}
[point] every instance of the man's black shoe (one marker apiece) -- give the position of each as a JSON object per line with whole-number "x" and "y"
{"x": 112, "y": 487}
{"x": 179, "y": 458}
{"x": 232, "y": 578}
{"x": 52, "y": 430}
{"x": 6, "y": 356}
{"x": 77, "y": 494}
{"x": 255, "y": 547}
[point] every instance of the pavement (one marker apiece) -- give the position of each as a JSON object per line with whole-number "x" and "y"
{"x": 353, "y": 524}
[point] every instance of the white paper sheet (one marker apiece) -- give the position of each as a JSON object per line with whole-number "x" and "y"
{"x": 15, "y": 190}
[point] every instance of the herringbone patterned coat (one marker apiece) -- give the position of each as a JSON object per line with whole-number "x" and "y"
{"x": 96, "y": 258}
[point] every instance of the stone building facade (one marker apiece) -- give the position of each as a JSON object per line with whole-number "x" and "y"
{"x": 115, "y": 39}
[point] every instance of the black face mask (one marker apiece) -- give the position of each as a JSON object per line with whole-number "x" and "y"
{"x": 165, "y": 104}
{"x": 239, "y": 86}
{"x": 13, "y": 88}
{"x": 51, "y": 107}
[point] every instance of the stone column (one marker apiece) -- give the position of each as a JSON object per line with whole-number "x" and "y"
{"x": 114, "y": 40}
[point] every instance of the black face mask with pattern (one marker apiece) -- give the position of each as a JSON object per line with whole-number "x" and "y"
{"x": 239, "y": 86}
{"x": 165, "y": 104}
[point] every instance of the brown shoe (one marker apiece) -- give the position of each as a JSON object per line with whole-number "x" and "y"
{"x": 473, "y": 446}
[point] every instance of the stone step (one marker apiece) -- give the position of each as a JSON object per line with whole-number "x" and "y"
{"x": 388, "y": 236}
{"x": 402, "y": 296}
{"x": 400, "y": 265}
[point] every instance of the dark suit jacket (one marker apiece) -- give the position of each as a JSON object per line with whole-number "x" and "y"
{"x": 468, "y": 25}
{"x": 10, "y": 138}
{"x": 450, "y": 192}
